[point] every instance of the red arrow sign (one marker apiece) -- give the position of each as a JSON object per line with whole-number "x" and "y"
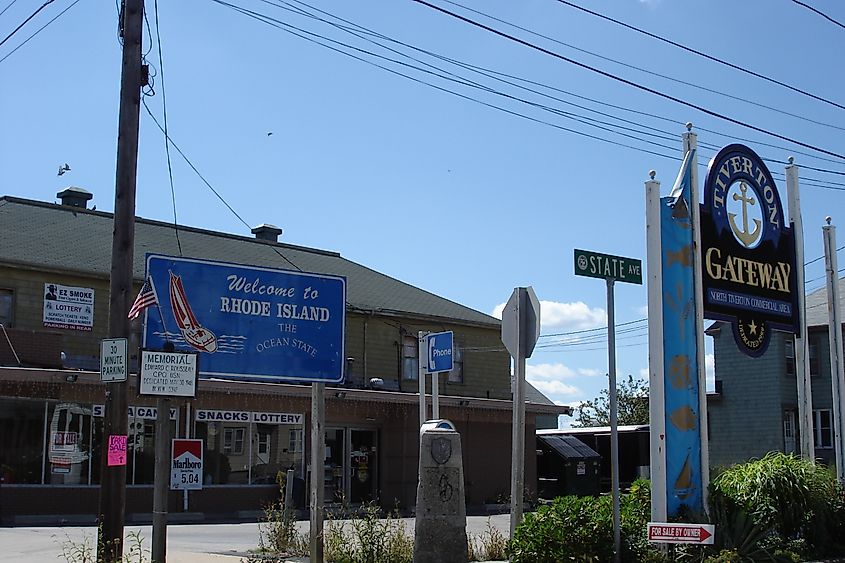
{"x": 660, "y": 532}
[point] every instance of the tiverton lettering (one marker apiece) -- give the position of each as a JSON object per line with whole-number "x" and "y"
{"x": 774, "y": 277}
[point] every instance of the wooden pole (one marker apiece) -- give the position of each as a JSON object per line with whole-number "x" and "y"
{"x": 112, "y": 502}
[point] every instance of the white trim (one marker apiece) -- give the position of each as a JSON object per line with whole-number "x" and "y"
{"x": 802, "y": 355}
{"x": 690, "y": 144}
{"x": 656, "y": 405}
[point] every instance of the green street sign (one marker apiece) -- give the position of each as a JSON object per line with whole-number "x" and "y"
{"x": 605, "y": 266}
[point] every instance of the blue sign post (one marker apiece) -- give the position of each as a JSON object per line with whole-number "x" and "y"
{"x": 249, "y": 323}
{"x": 439, "y": 352}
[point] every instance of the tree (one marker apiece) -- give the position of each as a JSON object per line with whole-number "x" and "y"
{"x": 632, "y": 401}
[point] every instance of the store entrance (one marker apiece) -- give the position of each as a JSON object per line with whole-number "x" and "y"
{"x": 351, "y": 470}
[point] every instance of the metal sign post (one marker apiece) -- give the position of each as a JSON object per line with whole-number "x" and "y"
{"x": 612, "y": 269}
{"x": 520, "y": 330}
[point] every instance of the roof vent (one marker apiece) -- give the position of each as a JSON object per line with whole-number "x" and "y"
{"x": 266, "y": 231}
{"x": 75, "y": 197}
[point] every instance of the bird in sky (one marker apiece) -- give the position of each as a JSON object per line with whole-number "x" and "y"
{"x": 64, "y": 168}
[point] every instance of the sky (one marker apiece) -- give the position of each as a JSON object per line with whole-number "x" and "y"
{"x": 427, "y": 148}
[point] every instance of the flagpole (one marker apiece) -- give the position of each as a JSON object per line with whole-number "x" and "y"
{"x": 657, "y": 407}
{"x": 690, "y": 140}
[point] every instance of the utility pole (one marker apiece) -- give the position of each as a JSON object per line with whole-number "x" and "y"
{"x": 113, "y": 477}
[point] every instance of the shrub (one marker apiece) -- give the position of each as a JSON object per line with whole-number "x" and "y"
{"x": 796, "y": 499}
{"x": 581, "y": 529}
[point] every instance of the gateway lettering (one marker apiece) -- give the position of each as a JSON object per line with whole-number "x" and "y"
{"x": 283, "y": 310}
{"x": 774, "y": 277}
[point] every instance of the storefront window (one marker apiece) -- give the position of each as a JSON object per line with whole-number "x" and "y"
{"x": 21, "y": 441}
{"x": 69, "y": 436}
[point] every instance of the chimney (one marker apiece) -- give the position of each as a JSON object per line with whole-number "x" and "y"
{"x": 75, "y": 197}
{"x": 266, "y": 231}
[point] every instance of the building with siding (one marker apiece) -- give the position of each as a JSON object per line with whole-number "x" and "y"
{"x": 51, "y": 397}
{"x": 755, "y": 407}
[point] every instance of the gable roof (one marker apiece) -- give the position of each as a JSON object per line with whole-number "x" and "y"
{"x": 49, "y": 236}
{"x": 817, "y": 305}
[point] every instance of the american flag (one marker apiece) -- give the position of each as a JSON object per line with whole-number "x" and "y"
{"x": 146, "y": 297}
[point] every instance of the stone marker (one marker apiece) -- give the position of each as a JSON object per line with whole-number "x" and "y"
{"x": 440, "y": 531}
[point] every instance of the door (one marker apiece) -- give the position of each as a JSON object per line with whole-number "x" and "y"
{"x": 363, "y": 466}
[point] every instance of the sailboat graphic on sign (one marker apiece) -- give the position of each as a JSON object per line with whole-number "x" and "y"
{"x": 195, "y": 334}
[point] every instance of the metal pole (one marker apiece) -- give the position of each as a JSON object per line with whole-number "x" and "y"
{"x": 837, "y": 371}
{"x": 288, "y": 508}
{"x": 318, "y": 462}
{"x": 435, "y": 395}
{"x": 187, "y": 435}
{"x": 161, "y": 480}
{"x": 421, "y": 374}
{"x": 518, "y": 436}
{"x": 112, "y": 502}
{"x": 614, "y": 422}
{"x": 802, "y": 353}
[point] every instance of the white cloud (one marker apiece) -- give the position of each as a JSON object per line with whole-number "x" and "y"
{"x": 555, "y": 389}
{"x": 547, "y": 372}
{"x": 569, "y": 316}
{"x": 644, "y": 373}
{"x": 590, "y": 372}
{"x": 642, "y": 310}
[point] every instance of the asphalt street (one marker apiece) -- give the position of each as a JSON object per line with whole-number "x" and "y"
{"x": 186, "y": 543}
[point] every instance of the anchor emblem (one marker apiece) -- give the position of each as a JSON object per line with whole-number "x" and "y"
{"x": 746, "y": 237}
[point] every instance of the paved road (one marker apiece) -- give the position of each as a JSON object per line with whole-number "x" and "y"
{"x": 187, "y": 543}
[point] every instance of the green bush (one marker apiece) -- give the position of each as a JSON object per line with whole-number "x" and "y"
{"x": 581, "y": 529}
{"x": 797, "y": 500}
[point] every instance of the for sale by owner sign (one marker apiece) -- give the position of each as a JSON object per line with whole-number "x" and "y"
{"x": 186, "y": 465}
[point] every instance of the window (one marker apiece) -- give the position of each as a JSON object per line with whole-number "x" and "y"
{"x": 410, "y": 361}
{"x": 457, "y": 373}
{"x": 789, "y": 355}
{"x": 822, "y": 429}
{"x": 233, "y": 441}
{"x": 295, "y": 441}
{"x": 815, "y": 366}
{"x": 790, "y": 437}
{"x": 7, "y": 301}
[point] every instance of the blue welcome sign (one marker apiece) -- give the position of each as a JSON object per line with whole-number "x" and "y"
{"x": 248, "y": 323}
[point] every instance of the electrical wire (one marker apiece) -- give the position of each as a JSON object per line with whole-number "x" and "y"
{"x": 164, "y": 118}
{"x": 703, "y": 54}
{"x": 208, "y": 185}
{"x": 39, "y": 30}
{"x": 309, "y": 36}
{"x": 35, "y": 13}
{"x": 646, "y": 71}
{"x": 819, "y": 12}
{"x": 626, "y": 81}
{"x": 9, "y": 5}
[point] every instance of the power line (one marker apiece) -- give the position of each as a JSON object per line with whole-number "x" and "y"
{"x": 166, "y": 136}
{"x": 7, "y": 7}
{"x": 825, "y": 16}
{"x": 35, "y": 13}
{"x": 586, "y": 330}
{"x": 646, "y": 71}
{"x": 304, "y": 34}
{"x": 206, "y": 182}
{"x": 702, "y": 54}
{"x": 626, "y": 81}
{"x": 39, "y": 30}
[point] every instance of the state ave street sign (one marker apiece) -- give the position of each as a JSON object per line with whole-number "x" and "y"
{"x": 606, "y": 266}
{"x": 662, "y": 532}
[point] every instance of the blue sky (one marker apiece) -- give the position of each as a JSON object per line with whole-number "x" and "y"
{"x": 435, "y": 189}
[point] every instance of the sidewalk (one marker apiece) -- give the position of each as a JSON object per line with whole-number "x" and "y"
{"x": 186, "y": 543}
